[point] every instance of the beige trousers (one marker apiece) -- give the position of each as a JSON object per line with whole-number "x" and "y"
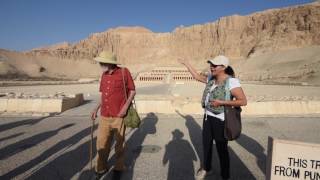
{"x": 109, "y": 127}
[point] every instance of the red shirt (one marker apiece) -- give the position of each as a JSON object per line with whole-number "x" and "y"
{"x": 112, "y": 91}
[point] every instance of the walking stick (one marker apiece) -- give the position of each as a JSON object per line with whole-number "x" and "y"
{"x": 91, "y": 144}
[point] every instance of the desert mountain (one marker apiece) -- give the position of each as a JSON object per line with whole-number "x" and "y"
{"x": 235, "y": 36}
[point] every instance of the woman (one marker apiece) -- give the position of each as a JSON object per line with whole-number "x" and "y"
{"x": 220, "y": 79}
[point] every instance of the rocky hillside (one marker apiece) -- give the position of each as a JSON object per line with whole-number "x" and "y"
{"x": 235, "y": 36}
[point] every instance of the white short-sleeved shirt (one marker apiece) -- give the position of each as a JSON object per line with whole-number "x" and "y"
{"x": 233, "y": 83}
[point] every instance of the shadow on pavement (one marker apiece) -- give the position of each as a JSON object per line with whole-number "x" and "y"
{"x": 32, "y": 121}
{"x": 11, "y": 136}
{"x": 237, "y": 167}
{"x": 180, "y": 156}
{"x": 195, "y": 133}
{"x": 66, "y": 143}
{"x": 254, "y": 148}
{"x": 27, "y": 143}
{"x": 135, "y": 141}
{"x": 66, "y": 165}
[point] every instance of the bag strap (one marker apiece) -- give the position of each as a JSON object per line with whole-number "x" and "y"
{"x": 125, "y": 92}
{"x": 124, "y": 84}
{"x": 227, "y": 89}
{"x": 125, "y": 88}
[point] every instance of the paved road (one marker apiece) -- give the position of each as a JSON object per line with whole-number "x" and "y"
{"x": 57, "y": 147}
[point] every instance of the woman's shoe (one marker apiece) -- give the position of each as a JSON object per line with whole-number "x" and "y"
{"x": 98, "y": 176}
{"x": 201, "y": 174}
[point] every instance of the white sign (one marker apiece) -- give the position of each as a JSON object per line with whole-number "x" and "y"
{"x": 292, "y": 160}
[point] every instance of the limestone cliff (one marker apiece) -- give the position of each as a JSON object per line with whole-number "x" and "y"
{"x": 235, "y": 36}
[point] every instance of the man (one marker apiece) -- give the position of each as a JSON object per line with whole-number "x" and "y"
{"x": 113, "y": 106}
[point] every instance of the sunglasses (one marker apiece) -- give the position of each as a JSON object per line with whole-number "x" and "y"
{"x": 214, "y": 66}
{"x": 103, "y": 64}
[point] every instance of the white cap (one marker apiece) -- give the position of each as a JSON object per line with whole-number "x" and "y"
{"x": 219, "y": 60}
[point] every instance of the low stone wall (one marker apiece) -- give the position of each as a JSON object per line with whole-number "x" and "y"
{"x": 170, "y": 106}
{"x": 40, "y": 105}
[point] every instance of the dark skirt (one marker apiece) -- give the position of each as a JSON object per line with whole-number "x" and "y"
{"x": 214, "y": 127}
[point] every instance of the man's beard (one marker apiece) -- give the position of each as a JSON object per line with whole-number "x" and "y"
{"x": 105, "y": 69}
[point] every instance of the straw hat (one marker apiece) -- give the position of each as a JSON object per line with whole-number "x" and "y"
{"x": 106, "y": 57}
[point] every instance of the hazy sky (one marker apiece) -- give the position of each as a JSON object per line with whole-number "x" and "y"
{"x": 26, "y": 24}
